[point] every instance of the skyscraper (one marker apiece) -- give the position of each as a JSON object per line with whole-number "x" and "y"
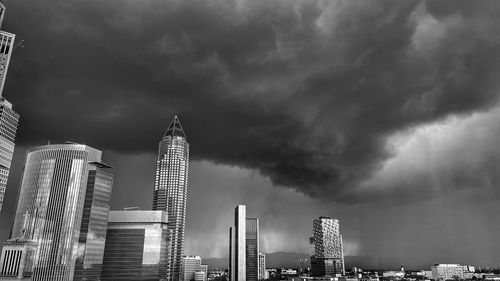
{"x": 170, "y": 189}
{"x": 136, "y": 246}
{"x": 63, "y": 208}
{"x": 252, "y": 249}
{"x": 328, "y": 258}
{"x": 9, "y": 119}
{"x": 244, "y": 247}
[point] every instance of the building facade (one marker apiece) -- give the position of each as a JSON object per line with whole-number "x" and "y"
{"x": 252, "y": 249}
{"x": 9, "y": 119}
{"x": 16, "y": 261}
{"x": 191, "y": 265}
{"x": 6, "y": 48}
{"x": 63, "y": 204}
{"x": 137, "y": 245}
{"x": 170, "y": 189}
{"x": 262, "y": 266}
{"x": 328, "y": 258}
{"x": 447, "y": 271}
{"x": 244, "y": 247}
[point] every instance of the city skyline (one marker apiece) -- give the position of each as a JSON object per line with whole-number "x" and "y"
{"x": 383, "y": 114}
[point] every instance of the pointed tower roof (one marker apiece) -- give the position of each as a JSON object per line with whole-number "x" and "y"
{"x": 175, "y": 128}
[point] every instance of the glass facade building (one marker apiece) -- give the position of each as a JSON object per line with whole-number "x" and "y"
{"x": 252, "y": 249}
{"x": 9, "y": 120}
{"x": 137, "y": 246}
{"x": 63, "y": 206}
{"x": 328, "y": 258}
{"x": 244, "y": 247}
{"x": 170, "y": 189}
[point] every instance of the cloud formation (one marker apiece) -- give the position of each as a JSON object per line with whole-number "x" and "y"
{"x": 307, "y": 93}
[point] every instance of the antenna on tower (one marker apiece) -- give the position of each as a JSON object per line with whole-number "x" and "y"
{"x": 20, "y": 44}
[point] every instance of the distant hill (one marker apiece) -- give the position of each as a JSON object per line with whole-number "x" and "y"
{"x": 292, "y": 260}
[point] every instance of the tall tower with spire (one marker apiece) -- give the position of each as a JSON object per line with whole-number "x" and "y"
{"x": 170, "y": 189}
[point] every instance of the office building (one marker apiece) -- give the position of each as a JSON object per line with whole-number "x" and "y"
{"x": 447, "y": 271}
{"x": 137, "y": 245}
{"x": 191, "y": 265}
{"x": 262, "y": 266}
{"x": 170, "y": 189}
{"x": 200, "y": 275}
{"x": 9, "y": 119}
{"x": 6, "y": 48}
{"x": 252, "y": 249}
{"x": 16, "y": 261}
{"x": 63, "y": 207}
{"x": 328, "y": 258}
{"x": 244, "y": 247}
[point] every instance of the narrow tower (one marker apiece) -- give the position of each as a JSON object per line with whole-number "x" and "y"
{"x": 170, "y": 189}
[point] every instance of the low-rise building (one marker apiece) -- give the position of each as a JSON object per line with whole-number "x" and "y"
{"x": 447, "y": 271}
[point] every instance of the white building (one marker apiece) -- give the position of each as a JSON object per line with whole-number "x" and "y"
{"x": 447, "y": 271}
{"x": 262, "y": 266}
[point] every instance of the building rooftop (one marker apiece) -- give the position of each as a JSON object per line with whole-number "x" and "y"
{"x": 175, "y": 128}
{"x": 137, "y": 216}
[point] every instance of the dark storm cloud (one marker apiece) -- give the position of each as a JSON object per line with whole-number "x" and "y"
{"x": 305, "y": 92}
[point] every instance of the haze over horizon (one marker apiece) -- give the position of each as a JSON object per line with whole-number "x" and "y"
{"x": 383, "y": 114}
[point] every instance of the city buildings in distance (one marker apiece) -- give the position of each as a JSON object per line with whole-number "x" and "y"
{"x": 137, "y": 246}
{"x": 170, "y": 189}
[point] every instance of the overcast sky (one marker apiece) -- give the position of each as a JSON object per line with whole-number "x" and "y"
{"x": 383, "y": 114}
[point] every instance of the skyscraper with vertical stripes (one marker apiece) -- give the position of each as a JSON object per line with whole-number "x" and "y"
{"x": 170, "y": 189}
{"x": 9, "y": 119}
{"x": 62, "y": 210}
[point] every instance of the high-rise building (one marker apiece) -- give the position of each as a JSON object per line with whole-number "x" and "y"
{"x": 328, "y": 258}
{"x": 262, "y": 266}
{"x": 9, "y": 119}
{"x": 136, "y": 246}
{"x": 170, "y": 189}
{"x": 252, "y": 249}
{"x": 190, "y": 266}
{"x": 6, "y": 48}
{"x": 63, "y": 207}
{"x": 244, "y": 247}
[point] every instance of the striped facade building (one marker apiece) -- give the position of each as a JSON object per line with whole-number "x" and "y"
{"x": 63, "y": 209}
